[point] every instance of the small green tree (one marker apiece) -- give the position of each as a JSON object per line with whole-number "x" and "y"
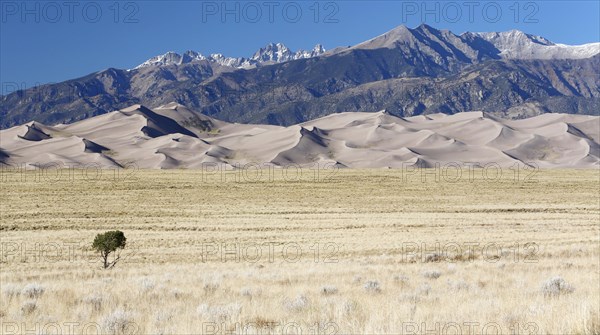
{"x": 108, "y": 243}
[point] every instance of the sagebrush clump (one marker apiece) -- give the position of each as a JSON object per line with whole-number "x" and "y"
{"x": 298, "y": 304}
{"x": 329, "y": 290}
{"x": 119, "y": 322}
{"x": 372, "y": 286}
{"x": 432, "y": 274}
{"x": 556, "y": 286}
{"x": 33, "y": 290}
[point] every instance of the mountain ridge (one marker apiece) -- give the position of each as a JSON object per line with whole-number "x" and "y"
{"x": 405, "y": 71}
{"x": 271, "y": 53}
{"x": 278, "y": 52}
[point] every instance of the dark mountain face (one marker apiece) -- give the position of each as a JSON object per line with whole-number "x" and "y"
{"x": 405, "y": 71}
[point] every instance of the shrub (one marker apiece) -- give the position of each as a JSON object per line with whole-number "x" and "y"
{"x": 434, "y": 258}
{"x": 258, "y": 323}
{"x": 28, "y": 307}
{"x": 459, "y": 285}
{"x": 33, "y": 290}
{"x": 424, "y": 290}
{"x": 95, "y": 300}
{"x": 11, "y": 290}
{"x": 176, "y": 293}
{"x": 210, "y": 288}
{"x": 220, "y": 312}
{"x": 556, "y": 286}
{"x": 246, "y": 292}
{"x": 329, "y": 290}
{"x": 349, "y": 307}
{"x": 372, "y": 286}
{"x": 146, "y": 285}
{"x": 163, "y": 316}
{"x": 298, "y": 304}
{"x": 118, "y": 322}
{"x": 250, "y": 293}
{"x": 107, "y": 243}
{"x": 412, "y": 298}
{"x": 432, "y": 274}
{"x": 401, "y": 279}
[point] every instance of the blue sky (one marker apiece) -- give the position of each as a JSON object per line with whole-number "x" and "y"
{"x": 47, "y": 41}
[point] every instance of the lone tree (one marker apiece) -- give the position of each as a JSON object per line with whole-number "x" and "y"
{"x": 108, "y": 243}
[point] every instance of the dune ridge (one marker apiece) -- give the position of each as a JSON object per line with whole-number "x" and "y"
{"x": 173, "y": 136}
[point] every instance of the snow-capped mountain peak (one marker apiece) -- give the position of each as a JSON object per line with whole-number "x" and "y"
{"x": 513, "y": 39}
{"x": 271, "y": 53}
{"x": 169, "y": 58}
{"x": 515, "y": 44}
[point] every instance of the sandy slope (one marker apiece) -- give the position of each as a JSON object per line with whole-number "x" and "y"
{"x": 173, "y": 136}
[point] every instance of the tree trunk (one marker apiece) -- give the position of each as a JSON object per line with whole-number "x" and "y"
{"x": 105, "y": 258}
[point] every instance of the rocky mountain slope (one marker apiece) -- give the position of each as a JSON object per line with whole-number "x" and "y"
{"x": 405, "y": 71}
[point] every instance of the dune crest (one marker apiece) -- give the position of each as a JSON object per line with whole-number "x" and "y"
{"x": 173, "y": 136}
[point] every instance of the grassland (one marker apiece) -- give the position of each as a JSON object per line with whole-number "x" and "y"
{"x": 355, "y": 251}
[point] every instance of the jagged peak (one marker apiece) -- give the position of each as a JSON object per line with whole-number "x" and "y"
{"x": 192, "y": 52}
{"x": 271, "y": 53}
{"x": 425, "y": 27}
{"x": 512, "y": 44}
{"x": 514, "y": 36}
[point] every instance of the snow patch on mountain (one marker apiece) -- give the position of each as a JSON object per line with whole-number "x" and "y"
{"x": 512, "y": 44}
{"x": 516, "y": 44}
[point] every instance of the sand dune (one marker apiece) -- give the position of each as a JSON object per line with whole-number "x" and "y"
{"x": 172, "y": 136}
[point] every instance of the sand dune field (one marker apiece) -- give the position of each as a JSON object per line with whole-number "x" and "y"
{"x": 172, "y": 136}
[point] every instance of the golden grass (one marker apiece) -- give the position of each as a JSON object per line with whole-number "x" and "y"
{"x": 208, "y": 255}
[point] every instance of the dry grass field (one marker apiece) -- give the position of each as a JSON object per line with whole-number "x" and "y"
{"x": 351, "y": 251}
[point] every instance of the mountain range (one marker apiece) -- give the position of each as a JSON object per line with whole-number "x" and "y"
{"x": 405, "y": 72}
{"x": 271, "y": 54}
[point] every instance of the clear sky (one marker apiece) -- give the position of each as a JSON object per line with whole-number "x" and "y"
{"x": 52, "y": 41}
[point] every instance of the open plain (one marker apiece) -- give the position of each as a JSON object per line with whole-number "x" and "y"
{"x": 334, "y": 252}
